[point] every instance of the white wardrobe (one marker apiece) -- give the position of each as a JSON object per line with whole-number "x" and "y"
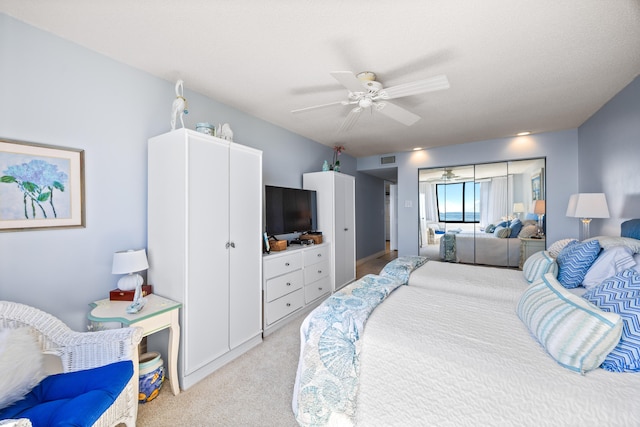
{"x": 336, "y": 220}
{"x": 204, "y": 246}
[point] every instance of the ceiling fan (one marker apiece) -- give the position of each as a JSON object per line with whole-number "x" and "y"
{"x": 365, "y": 93}
{"x": 448, "y": 175}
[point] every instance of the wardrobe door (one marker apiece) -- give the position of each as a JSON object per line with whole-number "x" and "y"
{"x": 344, "y": 230}
{"x": 245, "y": 231}
{"x": 206, "y": 309}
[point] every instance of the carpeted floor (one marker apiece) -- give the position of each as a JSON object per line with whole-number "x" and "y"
{"x": 252, "y": 390}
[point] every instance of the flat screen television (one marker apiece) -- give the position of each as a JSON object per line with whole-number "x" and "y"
{"x": 289, "y": 210}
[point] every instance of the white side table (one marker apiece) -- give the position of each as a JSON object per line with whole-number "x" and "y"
{"x": 158, "y": 313}
{"x": 529, "y": 246}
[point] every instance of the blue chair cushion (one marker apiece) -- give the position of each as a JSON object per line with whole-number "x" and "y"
{"x": 73, "y": 398}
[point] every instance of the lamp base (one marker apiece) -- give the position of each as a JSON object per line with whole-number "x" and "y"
{"x": 585, "y": 227}
{"x": 130, "y": 282}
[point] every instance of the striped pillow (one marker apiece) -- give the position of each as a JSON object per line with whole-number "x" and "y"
{"x": 539, "y": 264}
{"x": 576, "y": 333}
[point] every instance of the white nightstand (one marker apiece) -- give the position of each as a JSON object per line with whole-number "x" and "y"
{"x": 529, "y": 246}
{"x": 158, "y": 313}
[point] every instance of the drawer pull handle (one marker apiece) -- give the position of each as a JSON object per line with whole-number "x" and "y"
{"x": 288, "y": 304}
{"x": 319, "y": 255}
{"x": 286, "y": 264}
{"x": 319, "y": 271}
{"x": 319, "y": 289}
{"x": 288, "y": 283}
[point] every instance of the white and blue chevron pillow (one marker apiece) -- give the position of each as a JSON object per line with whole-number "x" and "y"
{"x": 621, "y": 294}
{"x": 574, "y": 262}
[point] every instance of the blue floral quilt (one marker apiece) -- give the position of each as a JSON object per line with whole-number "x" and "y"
{"x": 327, "y": 377}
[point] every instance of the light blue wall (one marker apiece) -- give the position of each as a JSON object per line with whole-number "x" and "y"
{"x": 609, "y": 158}
{"x": 56, "y": 92}
{"x": 559, "y": 148}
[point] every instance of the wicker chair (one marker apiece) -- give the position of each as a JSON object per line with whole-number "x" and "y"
{"x": 83, "y": 350}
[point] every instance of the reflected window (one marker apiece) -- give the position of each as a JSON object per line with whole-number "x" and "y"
{"x": 458, "y": 202}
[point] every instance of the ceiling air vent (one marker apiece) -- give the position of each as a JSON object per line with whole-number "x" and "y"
{"x": 387, "y": 160}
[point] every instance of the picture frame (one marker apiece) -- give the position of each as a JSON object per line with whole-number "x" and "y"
{"x": 41, "y": 186}
{"x": 537, "y": 185}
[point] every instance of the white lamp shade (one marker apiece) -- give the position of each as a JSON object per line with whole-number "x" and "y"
{"x": 130, "y": 261}
{"x": 588, "y": 205}
{"x": 518, "y": 207}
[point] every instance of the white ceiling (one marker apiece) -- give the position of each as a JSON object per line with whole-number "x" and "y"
{"x": 513, "y": 65}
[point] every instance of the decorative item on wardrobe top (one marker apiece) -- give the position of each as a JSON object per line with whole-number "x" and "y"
{"x": 179, "y": 106}
{"x": 335, "y": 165}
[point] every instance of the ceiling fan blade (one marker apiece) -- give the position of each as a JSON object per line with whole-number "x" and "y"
{"x": 399, "y": 114}
{"x": 349, "y": 80}
{"x": 421, "y": 86}
{"x": 350, "y": 120}
{"x": 300, "y": 110}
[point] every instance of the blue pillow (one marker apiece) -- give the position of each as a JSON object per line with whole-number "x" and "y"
{"x": 503, "y": 224}
{"x": 574, "y": 262}
{"x": 631, "y": 229}
{"x": 621, "y": 294}
{"x": 516, "y": 226}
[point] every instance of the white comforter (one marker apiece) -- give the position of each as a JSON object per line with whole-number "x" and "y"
{"x": 449, "y": 350}
{"x": 486, "y": 249}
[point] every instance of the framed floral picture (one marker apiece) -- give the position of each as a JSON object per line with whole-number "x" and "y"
{"x": 41, "y": 186}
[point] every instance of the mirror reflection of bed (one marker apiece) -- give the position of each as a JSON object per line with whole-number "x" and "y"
{"x": 478, "y": 214}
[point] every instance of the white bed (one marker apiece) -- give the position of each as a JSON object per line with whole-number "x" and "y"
{"x": 481, "y": 248}
{"x": 440, "y": 353}
{"x": 449, "y": 349}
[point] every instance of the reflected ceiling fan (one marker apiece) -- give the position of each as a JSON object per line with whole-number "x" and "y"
{"x": 448, "y": 175}
{"x": 365, "y": 93}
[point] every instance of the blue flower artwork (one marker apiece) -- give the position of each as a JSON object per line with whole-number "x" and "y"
{"x": 33, "y": 187}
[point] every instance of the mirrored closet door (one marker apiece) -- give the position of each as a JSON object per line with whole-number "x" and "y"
{"x": 482, "y": 213}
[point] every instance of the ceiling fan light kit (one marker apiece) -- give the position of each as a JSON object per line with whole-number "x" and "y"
{"x": 365, "y": 92}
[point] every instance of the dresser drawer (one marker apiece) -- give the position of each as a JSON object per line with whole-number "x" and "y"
{"x": 279, "y": 308}
{"x": 316, "y": 255}
{"x": 316, "y": 272}
{"x": 281, "y": 264}
{"x": 282, "y": 285}
{"x": 317, "y": 289}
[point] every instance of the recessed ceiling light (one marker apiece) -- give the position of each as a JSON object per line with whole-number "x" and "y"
{"x": 417, "y": 148}
{"x": 525, "y": 133}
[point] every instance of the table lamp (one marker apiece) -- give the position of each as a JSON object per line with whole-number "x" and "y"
{"x": 587, "y": 206}
{"x": 130, "y": 263}
{"x": 540, "y": 208}
{"x": 518, "y": 208}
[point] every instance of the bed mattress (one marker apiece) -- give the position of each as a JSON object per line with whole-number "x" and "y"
{"x": 449, "y": 349}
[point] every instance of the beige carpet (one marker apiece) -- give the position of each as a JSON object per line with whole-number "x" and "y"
{"x": 253, "y": 390}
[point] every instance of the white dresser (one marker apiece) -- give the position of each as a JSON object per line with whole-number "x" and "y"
{"x": 294, "y": 282}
